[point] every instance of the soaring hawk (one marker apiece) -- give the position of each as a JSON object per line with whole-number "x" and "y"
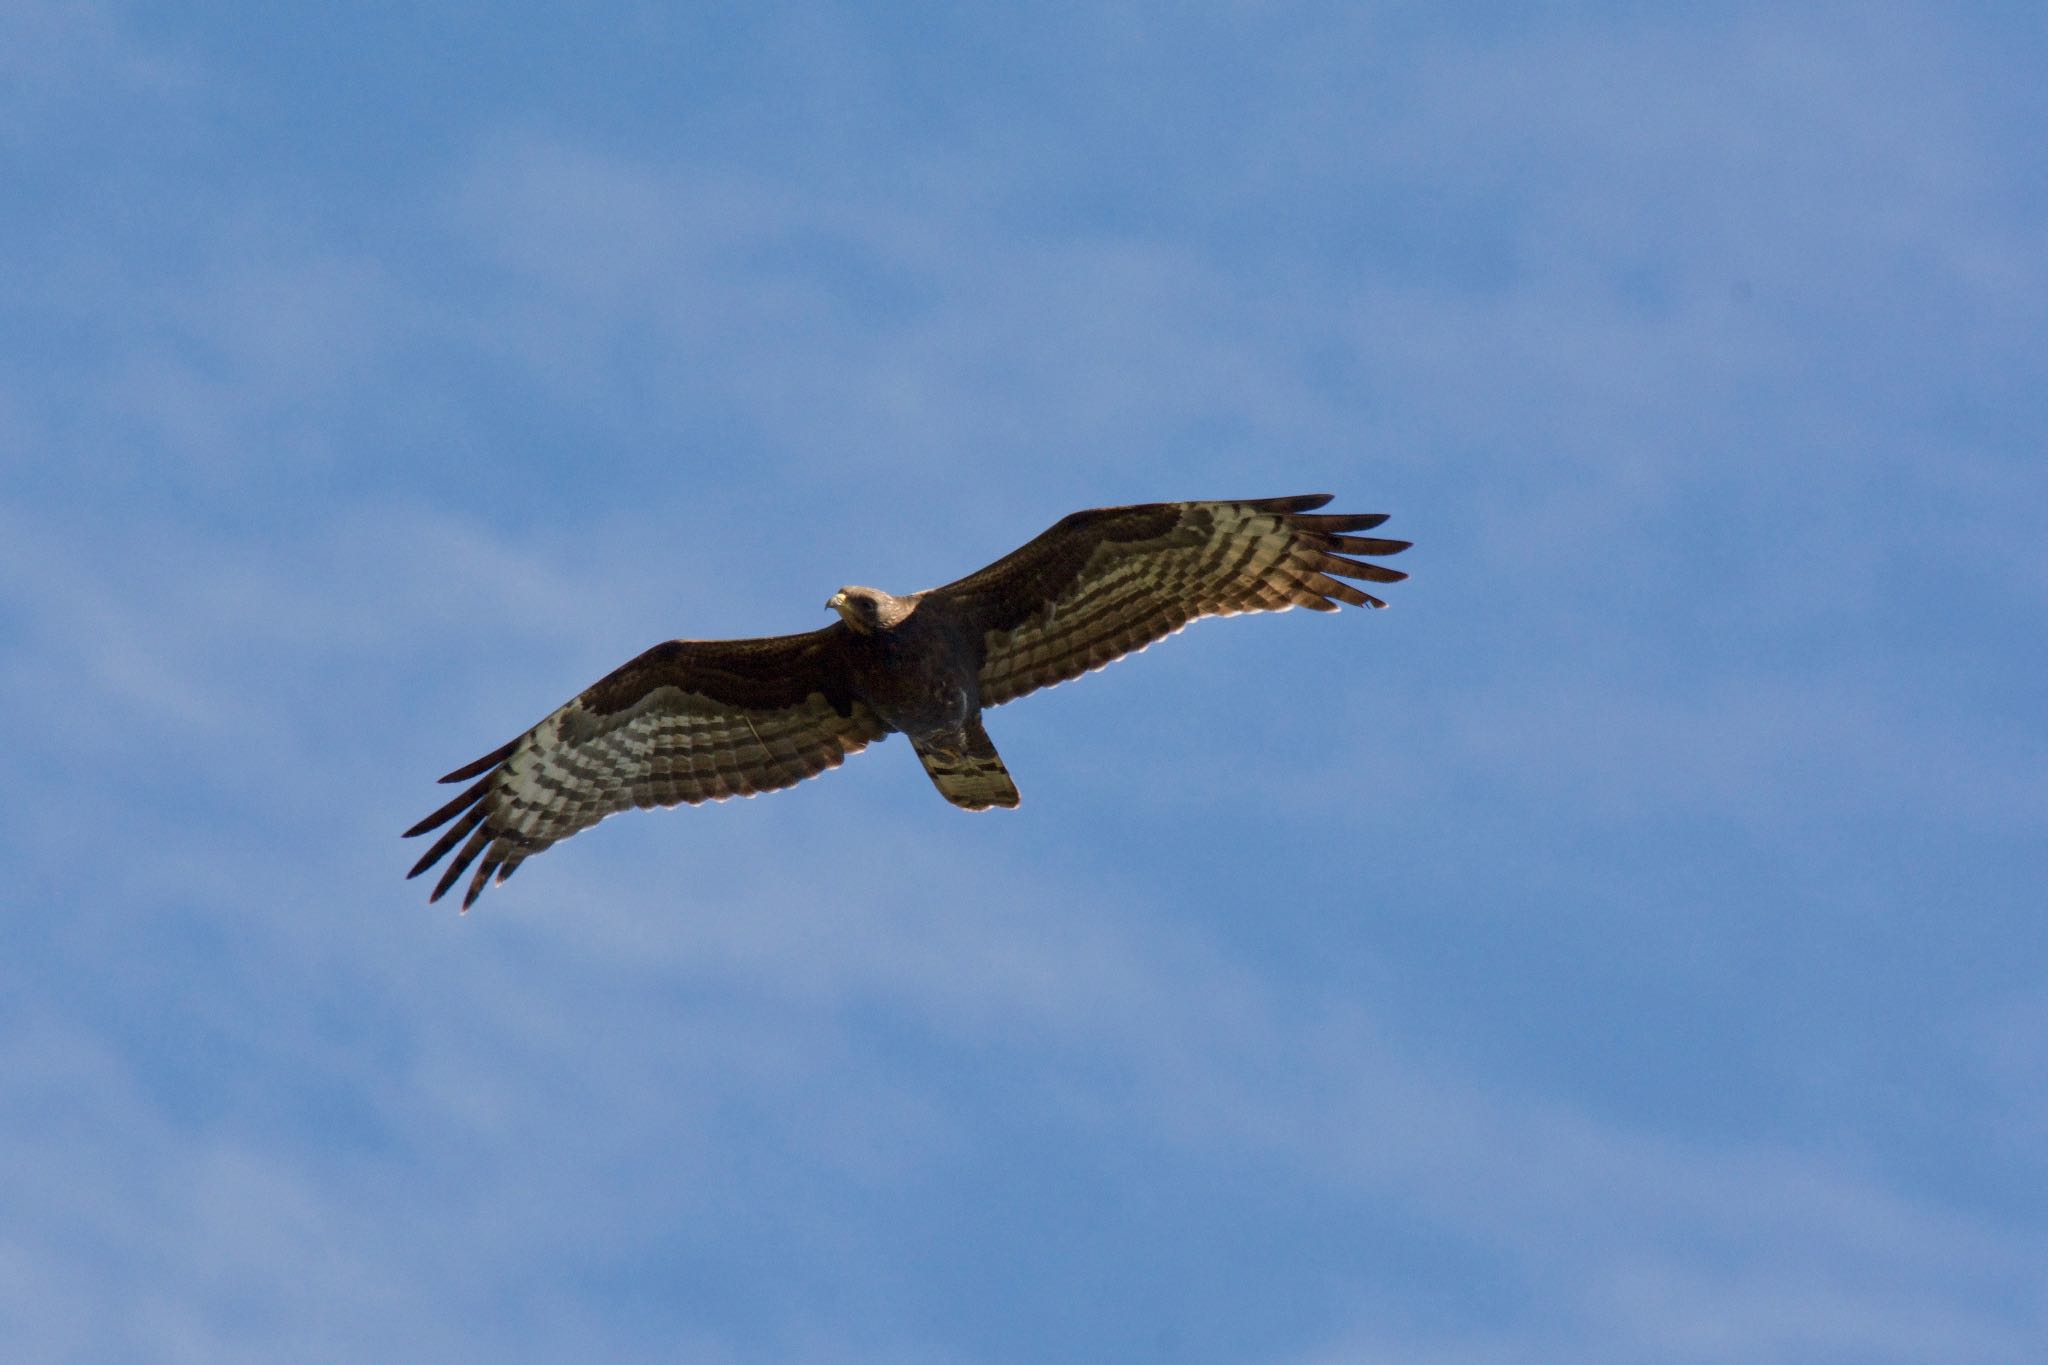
{"x": 703, "y": 720}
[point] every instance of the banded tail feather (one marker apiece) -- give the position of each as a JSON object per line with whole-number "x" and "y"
{"x": 970, "y": 774}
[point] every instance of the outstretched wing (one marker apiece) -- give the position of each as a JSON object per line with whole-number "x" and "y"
{"x": 690, "y": 720}
{"x": 1103, "y": 583}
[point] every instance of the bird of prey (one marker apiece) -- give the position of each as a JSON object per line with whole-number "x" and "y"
{"x": 703, "y": 720}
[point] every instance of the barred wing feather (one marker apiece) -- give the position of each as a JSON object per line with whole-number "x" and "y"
{"x": 688, "y": 721}
{"x": 1103, "y": 583}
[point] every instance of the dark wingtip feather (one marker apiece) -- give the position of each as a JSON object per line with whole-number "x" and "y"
{"x": 1354, "y": 568}
{"x": 1363, "y": 521}
{"x": 1336, "y": 587}
{"x": 482, "y": 879}
{"x": 429, "y": 858}
{"x": 484, "y": 764}
{"x": 1300, "y": 502}
{"x": 448, "y": 811}
{"x": 448, "y": 840}
{"x": 1365, "y": 545}
{"x": 478, "y": 842}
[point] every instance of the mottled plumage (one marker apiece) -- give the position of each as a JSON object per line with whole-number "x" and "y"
{"x": 703, "y": 720}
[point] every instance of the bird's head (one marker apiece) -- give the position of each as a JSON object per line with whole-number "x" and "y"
{"x": 868, "y": 610}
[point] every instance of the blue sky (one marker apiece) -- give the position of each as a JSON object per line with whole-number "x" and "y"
{"x": 1630, "y": 947}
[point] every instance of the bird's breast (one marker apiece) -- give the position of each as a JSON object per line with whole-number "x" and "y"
{"x": 919, "y": 681}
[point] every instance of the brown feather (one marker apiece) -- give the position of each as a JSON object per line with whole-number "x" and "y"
{"x": 1342, "y": 591}
{"x": 455, "y": 834}
{"x": 484, "y": 764}
{"x": 1304, "y": 502}
{"x": 1361, "y": 545}
{"x": 478, "y": 842}
{"x": 1341, "y": 523}
{"x": 1351, "y": 568}
{"x": 447, "y": 812}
